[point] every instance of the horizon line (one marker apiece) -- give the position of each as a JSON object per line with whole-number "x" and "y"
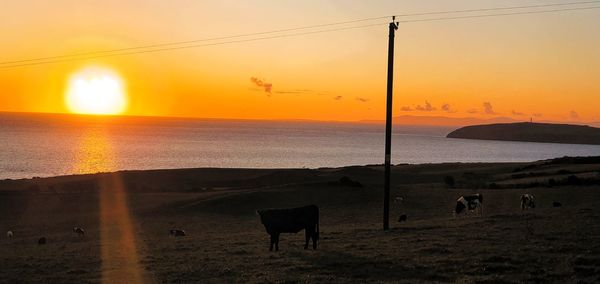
{"x": 361, "y": 121}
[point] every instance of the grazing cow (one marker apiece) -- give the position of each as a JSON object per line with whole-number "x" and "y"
{"x": 400, "y": 201}
{"x": 469, "y": 202}
{"x": 527, "y": 201}
{"x": 79, "y": 231}
{"x": 402, "y": 218}
{"x": 177, "y": 233}
{"x": 556, "y": 204}
{"x": 294, "y": 220}
{"x": 42, "y": 241}
{"x": 9, "y": 234}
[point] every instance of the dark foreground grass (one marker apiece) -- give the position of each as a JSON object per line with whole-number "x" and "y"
{"x": 544, "y": 246}
{"x": 227, "y": 243}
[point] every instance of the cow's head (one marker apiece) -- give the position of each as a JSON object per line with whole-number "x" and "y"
{"x": 460, "y": 207}
{"x": 259, "y": 212}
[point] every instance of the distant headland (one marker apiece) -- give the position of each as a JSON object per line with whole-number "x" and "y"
{"x": 531, "y": 132}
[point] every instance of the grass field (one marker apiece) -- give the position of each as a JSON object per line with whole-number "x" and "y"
{"x": 127, "y": 216}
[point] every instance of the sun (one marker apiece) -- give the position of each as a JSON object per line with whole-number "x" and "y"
{"x": 96, "y": 90}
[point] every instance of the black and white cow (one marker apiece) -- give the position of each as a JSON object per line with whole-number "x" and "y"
{"x": 9, "y": 234}
{"x": 527, "y": 201}
{"x": 79, "y": 231}
{"x": 177, "y": 233}
{"x": 469, "y": 203}
{"x": 400, "y": 201}
{"x": 293, "y": 220}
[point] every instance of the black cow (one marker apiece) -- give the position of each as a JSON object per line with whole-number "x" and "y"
{"x": 177, "y": 233}
{"x": 469, "y": 202}
{"x": 291, "y": 220}
{"x": 402, "y": 218}
{"x": 42, "y": 241}
{"x": 556, "y": 204}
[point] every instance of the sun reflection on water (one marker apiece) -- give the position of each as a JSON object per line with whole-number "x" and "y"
{"x": 94, "y": 152}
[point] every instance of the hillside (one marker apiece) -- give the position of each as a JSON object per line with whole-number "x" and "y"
{"x": 226, "y": 242}
{"x": 531, "y": 132}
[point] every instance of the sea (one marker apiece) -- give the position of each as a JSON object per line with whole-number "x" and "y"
{"x": 42, "y": 145}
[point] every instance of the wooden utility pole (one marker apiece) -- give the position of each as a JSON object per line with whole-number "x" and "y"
{"x": 388, "y": 125}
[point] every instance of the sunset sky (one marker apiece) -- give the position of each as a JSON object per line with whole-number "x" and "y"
{"x": 544, "y": 66}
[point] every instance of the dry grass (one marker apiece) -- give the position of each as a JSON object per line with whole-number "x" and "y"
{"x": 227, "y": 243}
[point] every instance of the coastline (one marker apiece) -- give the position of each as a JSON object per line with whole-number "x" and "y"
{"x": 198, "y": 179}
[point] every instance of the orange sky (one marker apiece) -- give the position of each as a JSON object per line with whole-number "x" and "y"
{"x": 542, "y": 65}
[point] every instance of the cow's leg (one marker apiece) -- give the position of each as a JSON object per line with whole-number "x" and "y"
{"x": 307, "y": 234}
{"x": 272, "y": 242}
{"x": 315, "y": 236}
{"x": 277, "y": 242}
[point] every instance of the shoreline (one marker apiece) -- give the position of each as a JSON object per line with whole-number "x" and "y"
{"x": 205, "y": 177}
{"x": 267, "y": 169}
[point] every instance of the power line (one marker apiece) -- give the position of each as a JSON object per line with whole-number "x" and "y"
{"x": 195, "y": 41}
{"x": 499, "y": 8}
{"x": 499, "y": 14}
{"x": 294, "y": 29}
{"x": 177, "y": 45}
{"x": 191, "y": 46}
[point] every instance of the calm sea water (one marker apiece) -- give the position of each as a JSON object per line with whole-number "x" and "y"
{"x": 48, "y": 145}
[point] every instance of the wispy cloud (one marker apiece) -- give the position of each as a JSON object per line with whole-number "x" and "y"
{"x": 447, "y": 108}
{"x": 517, "y": 113}
{"x": 488, "y": 109}
{"x": 362, "y": 100}
{"x": 294, "y": 92}
{"x": 260, "y": 83}
{"x": 268, "y": 87}
{"x": 426, "y": 107}
{"x": 472, "y": 111}
{"x": 537, "y": 114}
{"x": 573, "y": 115}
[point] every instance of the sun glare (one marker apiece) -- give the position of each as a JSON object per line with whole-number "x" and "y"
{"x": 96, "y": 90}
